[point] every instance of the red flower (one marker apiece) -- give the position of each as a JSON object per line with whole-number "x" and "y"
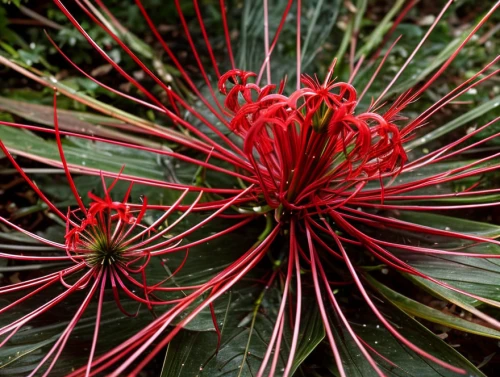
{"x": 108, "y": 245}
{"x": 308, "y": 140}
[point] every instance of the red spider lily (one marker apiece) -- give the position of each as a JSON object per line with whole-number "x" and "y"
{"x": 313, "y": 158}
{"x": 96, "y": 248}
{"x": 310, "y": 140}
{"x": 106, "y": 244}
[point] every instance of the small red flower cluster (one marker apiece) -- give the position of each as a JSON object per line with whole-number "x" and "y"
{"x": 102, "y": 231}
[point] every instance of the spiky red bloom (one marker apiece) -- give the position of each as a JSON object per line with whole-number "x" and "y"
{"x": 309, "y": 148}
{"x": 108, "y": 245}
{"x": 321, "y": 166}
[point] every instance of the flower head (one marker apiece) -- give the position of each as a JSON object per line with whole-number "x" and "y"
{"x": 100, "y": 237}
{"x": 310, "y": 140}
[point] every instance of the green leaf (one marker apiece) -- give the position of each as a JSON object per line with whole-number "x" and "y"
{"x": 73, "y": 121}
{"x": 28, "y": 347}
{"x": 420, "y": 310}
{"x": 423, "y": 173}
{"x": 370, "y": 330}
{"x": 450, "y": 223}
{"x": 95, "y": 155}
{"x": 313, "y": 334}
{"x": 475, "y": 275}
{"x": 318, "y": 18}
{"x": 248, "y": 315}
{"x": 377, "y": 35}
{"x": 428, "y": 63}
{"x": 463, "y": 119}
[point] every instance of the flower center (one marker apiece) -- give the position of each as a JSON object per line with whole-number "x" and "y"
{"x": 99, "y": 237}
{"x": 104, "y": 251}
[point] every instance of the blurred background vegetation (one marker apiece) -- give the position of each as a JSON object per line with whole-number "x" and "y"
{"x": 22, "y": 38}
